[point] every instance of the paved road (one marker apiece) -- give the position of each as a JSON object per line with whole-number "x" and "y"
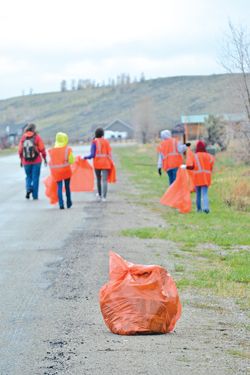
{"x": 30, "y": 233}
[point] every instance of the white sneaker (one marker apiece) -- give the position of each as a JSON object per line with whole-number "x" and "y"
{"x": 98, "y": 197}
{"x": 104, "y": 199}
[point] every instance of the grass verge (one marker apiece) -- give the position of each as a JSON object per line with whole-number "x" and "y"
{"x": 216, "y": 245}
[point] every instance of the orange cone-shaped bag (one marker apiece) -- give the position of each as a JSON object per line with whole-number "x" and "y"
{"x": 82, "y": 178}
{"x": 178, "y": 193}
{"x": 112, "y": 173}
{"x": 51, "y": 189}
{"x": 139, "y": 298}
{"x": 190, "y": 162}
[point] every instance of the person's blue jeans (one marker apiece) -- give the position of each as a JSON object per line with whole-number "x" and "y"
{"x": 32, "y": 178}
{"x": 172, "y": 175}
{"x": 202, "y": 195}
{"x": 60, "y": 193}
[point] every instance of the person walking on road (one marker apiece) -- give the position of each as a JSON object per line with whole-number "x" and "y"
{"x": 101, "y": 153}
{"x": 61, "y": 157}
{"x": 202, "y": 165}
{"x": 170, "y": 155}
{"x": 31, "y": 150}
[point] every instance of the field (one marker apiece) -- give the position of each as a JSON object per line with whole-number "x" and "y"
{"x": 214, "y": 249}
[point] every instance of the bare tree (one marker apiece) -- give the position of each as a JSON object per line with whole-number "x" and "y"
{"x": 236, "y": 59}
{"x": 63, "y": 85}
{"x": 143, "y": 119}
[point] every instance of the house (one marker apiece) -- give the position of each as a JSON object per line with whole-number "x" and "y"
{"x": 194, "y": 126}
{"x": 10, "y": 135}
{"x": 120, "y": 127}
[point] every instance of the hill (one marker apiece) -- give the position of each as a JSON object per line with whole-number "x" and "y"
{"x": 77, "y": 112}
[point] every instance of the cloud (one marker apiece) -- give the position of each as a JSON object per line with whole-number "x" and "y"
{"x": 43, "y": 42}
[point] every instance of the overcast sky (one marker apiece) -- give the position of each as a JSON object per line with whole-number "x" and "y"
{"x": 43, "y": 42}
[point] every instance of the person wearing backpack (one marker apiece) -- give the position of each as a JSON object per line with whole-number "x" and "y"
{"x": 31, "y": 151}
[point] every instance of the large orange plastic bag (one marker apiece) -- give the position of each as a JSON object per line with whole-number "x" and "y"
{"x": 51, "y": 189}
{"x": 82, "y": 178}
{"x": 178, "y": 194}
{"x": 138, "y": 298}
{"x": 190, "y": 162}
{"x": 112, "y": 173}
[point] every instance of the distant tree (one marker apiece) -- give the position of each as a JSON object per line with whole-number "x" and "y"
{"x": 73, "y": 84}
{"x": 31, "y": 91}
{"x": 63, "y": 85}
{"x": 216, "y": 132}
{"x": 143, "y": 119}
{"x": 79, "y": 84}
{"x": 128, "y": 80}
{"x": 142, "y": 79}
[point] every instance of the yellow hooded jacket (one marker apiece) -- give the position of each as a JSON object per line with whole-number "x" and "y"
{"x": 62, "y": 141}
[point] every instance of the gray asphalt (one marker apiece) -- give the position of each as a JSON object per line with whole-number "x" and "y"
{"x": 30, "y": 232}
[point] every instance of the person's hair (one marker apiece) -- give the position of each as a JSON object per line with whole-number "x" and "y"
{"x": 99, "y": 133}
{"x": 31, "y": 128}
{"x": 200, "y": 146}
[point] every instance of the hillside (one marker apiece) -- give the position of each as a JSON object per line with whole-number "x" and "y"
{"x": 77, "y": 112}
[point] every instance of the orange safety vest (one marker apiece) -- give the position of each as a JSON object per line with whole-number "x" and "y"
{"x": 171, "y": 157}
{"x": 59, "y": 163}
{"x": 203, "y": 165}
{"x": 102, "y": 159}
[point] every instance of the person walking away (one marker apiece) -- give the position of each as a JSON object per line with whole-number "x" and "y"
{"x": 202, "y": 165}
{"x": 61, "y": 157}
{"x": 31, "y": 150}
{"x": 170, "y": 155}
{"x": 101, "y": 153}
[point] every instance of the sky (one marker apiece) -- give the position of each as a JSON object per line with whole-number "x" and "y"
{"x": 43, "y": 42}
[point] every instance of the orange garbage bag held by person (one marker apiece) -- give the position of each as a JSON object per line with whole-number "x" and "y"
{"x": 138, "y": 299}
{"x": 112, "y": 173}
{"x": 51, "y": 189}
{"x": 82, "y": 178}
{"x": 178, "y": 194}
{"x": 189, "y": 162}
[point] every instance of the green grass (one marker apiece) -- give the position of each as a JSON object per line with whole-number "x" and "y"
{"x": 239, "y": 353}
{"x": 216, "y": 246}
{"x": 8, "y": 151}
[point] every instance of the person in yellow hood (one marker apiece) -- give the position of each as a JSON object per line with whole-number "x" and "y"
{"x": 61, "y": 157}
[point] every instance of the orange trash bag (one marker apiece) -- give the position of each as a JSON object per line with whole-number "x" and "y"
{"x": 82, "y": 178}
{"x": 178, "y": 194}
{"x": 51, "y": 189}
{"x": 138, "y": 299}
{"x": 112, "y": 173}
{"x": 190, "y": 162}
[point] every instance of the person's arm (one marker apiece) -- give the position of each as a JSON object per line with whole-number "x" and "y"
{"x": 92, "y": 152}
{"x": 159, "y": 163}
{"x": 41, "y": 147}
{"x": 71, "y": 157}
{"x": 20, "y": 148}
